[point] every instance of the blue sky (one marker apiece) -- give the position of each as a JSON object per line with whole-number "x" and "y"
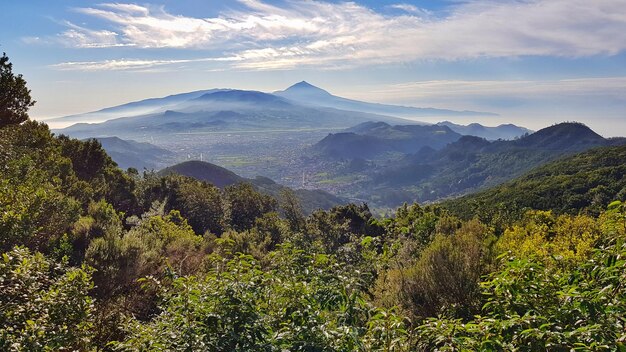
{"x": 534, "y": 62}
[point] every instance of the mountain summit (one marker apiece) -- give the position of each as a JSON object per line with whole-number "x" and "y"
{"x": 306, "y": 93}
{"x": 304, "y": 88}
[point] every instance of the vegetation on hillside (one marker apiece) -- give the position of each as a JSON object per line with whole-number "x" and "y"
{"x": 586, "y": 181}
{"x": 95, "y": 258}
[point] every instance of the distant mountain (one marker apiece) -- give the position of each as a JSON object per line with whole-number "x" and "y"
{"x": 301, "y": 106}
{"x": 232, "y": 110}
{"x": 309, "y": 94}
{"x": 586, "y": 181}
{"x": 310, "y": 200}
{"x": 141, "y": 156}
{"x": 142, "y": 107}
{"x": 369, "y": 139}
{"x": 505, "y": 131}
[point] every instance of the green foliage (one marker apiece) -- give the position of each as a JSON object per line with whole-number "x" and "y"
{"x": 445, "y": 277}
{"x": 532, "y": 306}
{"x": 15, "y": 97}
{"x": 586, "y": 181}
{"x": 44, "y": 306}
{"x": 302, "y": 302}
{"x": 244, "y": 205}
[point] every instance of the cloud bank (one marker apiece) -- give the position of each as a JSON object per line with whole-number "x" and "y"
{"x": 321, "y": 34}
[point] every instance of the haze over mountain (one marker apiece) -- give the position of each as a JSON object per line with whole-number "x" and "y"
{"x": 302, "y": 96}
{"x": 127, "y": 153}
{"x": 309, "y": 94}
{"x": 221, "y": 110}
{"x": 141, "y": 107}
{"x": 504, "y": 131}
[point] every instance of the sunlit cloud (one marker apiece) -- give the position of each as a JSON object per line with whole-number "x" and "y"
{"x": 316, "y": 33}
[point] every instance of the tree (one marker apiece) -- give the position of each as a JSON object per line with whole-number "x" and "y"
{"x": 14, "y": 96}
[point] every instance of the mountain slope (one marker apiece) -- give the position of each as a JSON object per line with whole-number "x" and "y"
{"x": 467, "y": 165}
{"x": 370, "y": 139}
{"x": 141, "y": 107}
{"x": 127, "y": 153}
{"x": 585, "y": 181}
{"x": 307, "y": 93}
{"x": 472, "y": 163}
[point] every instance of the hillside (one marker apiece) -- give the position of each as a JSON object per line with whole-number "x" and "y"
{"x": 460, "y": 167}
{"x": 370, "y": 139}
{"x": 138, "y": 155}
{"x": 310, "y": 200}
{"x": 582, "y": 182}
{"x": 204, "y": 171}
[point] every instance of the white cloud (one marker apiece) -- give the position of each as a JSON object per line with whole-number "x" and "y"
{"x": 80, "y": 37}
{"x": 411, "y": 9}
{"x": 128, "y": 64}
{"x": 606, "y": 87}
{"x": 316, "y": 33}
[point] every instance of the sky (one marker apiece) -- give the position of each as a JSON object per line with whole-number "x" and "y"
{"x": 533, "y": 62}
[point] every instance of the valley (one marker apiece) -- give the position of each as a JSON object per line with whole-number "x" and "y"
{"x": 299, "y": 137}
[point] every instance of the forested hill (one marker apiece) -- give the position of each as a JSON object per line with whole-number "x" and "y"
{"x": 471, "y": 163}
{"x": 310, "y": 200}
{"x": 583, "y": 182}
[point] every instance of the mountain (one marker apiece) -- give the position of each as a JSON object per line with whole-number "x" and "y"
{"x": 586, "y": 181}
{"x": 505, "y": 131}
{"x": 309, "y": 94}
{"x": 565, "y": 136}
{"x": 127, "y": 153}
{"x": 227, "y": 110}
{"x": 310, "y": 200}
{"x": 370, "y": 139}
{"x": 136, "y": 108}
{"x": 466, "y": 165}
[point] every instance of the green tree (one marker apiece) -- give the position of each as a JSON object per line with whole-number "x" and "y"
{"x": 244, "y": 205}
{"x": 14, "y": 96}
{"x": 44, "y": 306}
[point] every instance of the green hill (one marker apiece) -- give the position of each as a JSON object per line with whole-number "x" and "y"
{"x": 310, "y": 200}
{"x": 582, "y": 182}
{"x": 204, "y": 171}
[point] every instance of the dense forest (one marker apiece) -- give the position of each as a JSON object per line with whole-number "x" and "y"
{"x": 98, "y": 258}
